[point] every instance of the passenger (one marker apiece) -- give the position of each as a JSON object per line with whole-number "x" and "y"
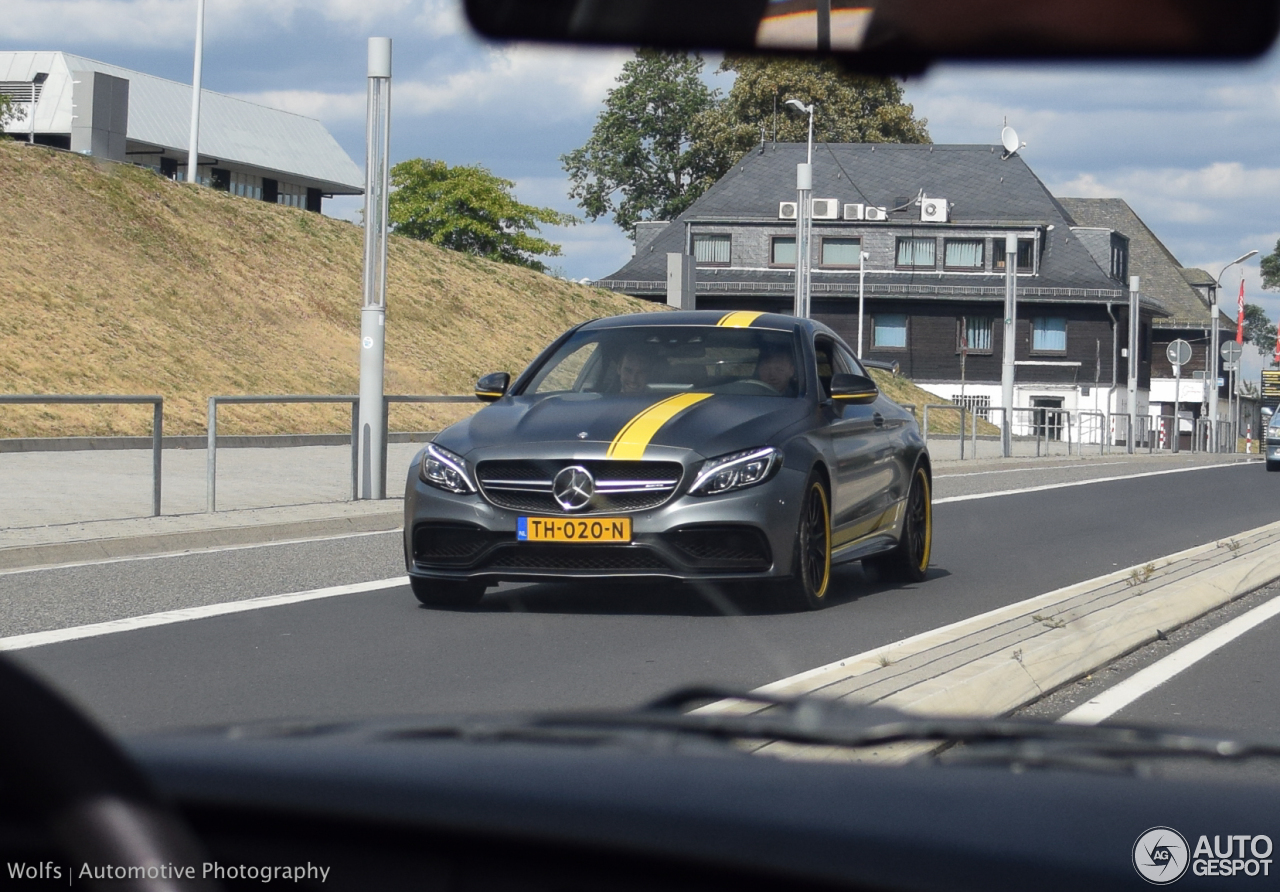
{"x": 776, "y": 368}
{"x": 636, "y": 369}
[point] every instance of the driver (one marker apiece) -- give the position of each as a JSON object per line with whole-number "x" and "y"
{"x": 776, "y": 368}
{"x": 636, "y": 369}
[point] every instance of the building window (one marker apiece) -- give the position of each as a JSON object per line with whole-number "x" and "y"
{"x": 916, "y": 253}
{"x": 782, "y": 250}
{"x": 962, "y": 253}
{"x": 1119, "y": 261}
{"x": 711, "y": 250}
{"x": 889, "y": 330}
{"x": 974, "y": 333}
{"x": 246, "y": 185}
{"x": 1026, "y": 255}
{"x": 1049, "y": 334}
{"x": 978, "y": 405}
{"x": 291, "y": 195}
{"x": 841, "y": 251}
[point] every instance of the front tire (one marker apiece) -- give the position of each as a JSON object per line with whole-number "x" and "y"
{"x": 442, "y": 593}
{"x": 909, "y": 560}
{"x": 1273, "y": 465}
{"x": 808, "y": 587}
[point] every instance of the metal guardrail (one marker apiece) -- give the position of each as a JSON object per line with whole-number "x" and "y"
{"x": 211, "y": 456}
{"x": 101, "y": 399}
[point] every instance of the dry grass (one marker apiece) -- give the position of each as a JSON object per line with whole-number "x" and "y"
{"x": 114, "y": 280}
{"x": 901, "y": 390}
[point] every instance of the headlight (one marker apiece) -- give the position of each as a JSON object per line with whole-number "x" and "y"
{"x": 445, "y": 470}
{"x": 736, "y": 471}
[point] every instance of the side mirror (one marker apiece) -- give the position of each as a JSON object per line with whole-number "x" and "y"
{"x": 493, "y": 386}
{"x": 856, "y": 389}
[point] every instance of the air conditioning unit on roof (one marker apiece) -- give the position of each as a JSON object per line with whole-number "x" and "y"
{"x": 878, "y": 214}
{"x": 787, "y": 210}
{"x": 933, "y": 210}
{"x": 826, "y": 209}
{"x": 853, "y": 211}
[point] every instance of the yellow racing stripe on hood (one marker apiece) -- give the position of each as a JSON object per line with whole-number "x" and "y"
{"x": 741, "y": 319}
{"x": 635, "y": 435}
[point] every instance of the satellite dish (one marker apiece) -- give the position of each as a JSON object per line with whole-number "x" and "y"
{"x": 1009, "y": 139}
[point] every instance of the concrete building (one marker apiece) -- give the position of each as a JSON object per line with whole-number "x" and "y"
{"x": 81, "y": 105}
{"x": 933, "y": 221}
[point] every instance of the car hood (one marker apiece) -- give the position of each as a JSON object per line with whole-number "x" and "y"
{"x": 715, "y": 425}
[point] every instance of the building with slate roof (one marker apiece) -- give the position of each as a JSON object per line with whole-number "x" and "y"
{"x": 926, "y": 281}
{"x": 1185, "y": 293}
{"x": 82, "y": 105}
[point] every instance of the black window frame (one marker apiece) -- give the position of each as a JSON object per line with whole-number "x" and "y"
{"x": 982, "y": 259}
{"x": 960, "y": 322}
{"x": 997, "y": 245}
{"x": 906, "y": 329}
{"x": 693, "y": 247}
{"x": 822, "y": 250}
{"x": 897, "y": 242}
{"x": 1066, "y": 337}
{"x": 773, "y": 239}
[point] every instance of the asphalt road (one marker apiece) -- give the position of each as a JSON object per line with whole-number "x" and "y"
{"x": 536, "y": 647}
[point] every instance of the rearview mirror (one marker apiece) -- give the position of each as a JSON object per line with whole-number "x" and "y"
{"x": 899, "y": 35}
{"x": 856, "y": 389}
{"x": 493, "y": 386}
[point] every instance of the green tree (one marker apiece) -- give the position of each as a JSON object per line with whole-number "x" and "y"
{"x": 467, "y": 208}
{"x": 1258, "y": 330}
{"x": 8, "y": 114}
{"x": 849, "y": 108}
{"x": 639, "y": 163}
{"x": 1271, "y": 270}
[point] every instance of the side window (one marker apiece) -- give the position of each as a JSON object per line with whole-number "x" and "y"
{"x": 824, "y": 350}
{"x": 846, "y": 363}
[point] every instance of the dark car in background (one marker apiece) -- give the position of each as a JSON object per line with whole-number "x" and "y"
{"x": 726, "y": 447}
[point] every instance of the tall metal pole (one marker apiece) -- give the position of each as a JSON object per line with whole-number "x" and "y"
{"x": 1133, "y": 359}
{"x": 804, "y": 187}
{"x": 1010, "y": 347}
{"x": 193, "y": 143}
{"x": 862, "y": 268}
{"x": 1177, "y": 405}
{"x": 377, "y": 178}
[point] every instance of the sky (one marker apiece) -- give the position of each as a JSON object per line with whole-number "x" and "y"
{"x": 1192, "y": 148}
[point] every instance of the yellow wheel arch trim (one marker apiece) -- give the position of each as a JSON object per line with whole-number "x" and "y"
{"x": 631, "y": 441}
{"x": 741, "y": 319}
{"x": 928, "y": 521}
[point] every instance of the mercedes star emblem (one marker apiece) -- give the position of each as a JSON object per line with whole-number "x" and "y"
{"x": 582, "y": 435}
{"x": 573, "y": 487}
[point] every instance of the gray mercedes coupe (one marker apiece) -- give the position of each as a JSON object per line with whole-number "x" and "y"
{"x": 731, "y": 448}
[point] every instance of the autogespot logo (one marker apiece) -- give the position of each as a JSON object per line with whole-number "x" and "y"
{"x": 1161, "y": 856}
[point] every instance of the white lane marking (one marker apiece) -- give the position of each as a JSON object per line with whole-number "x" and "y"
{"x": 213, "y": 549}
{"x": 1092, "y": 464}
{"x": 1014, "y": 492}
{"x": 1112, "y": 700}
{"x": 128, "y": 624}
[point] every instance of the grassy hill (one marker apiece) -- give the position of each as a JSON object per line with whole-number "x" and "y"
{"x": 115, "y": 280}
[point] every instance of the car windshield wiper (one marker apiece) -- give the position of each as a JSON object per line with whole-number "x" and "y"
{"x": 673, "y": 720}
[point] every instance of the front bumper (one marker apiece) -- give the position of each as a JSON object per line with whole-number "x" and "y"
{"x": 748, "y": 534}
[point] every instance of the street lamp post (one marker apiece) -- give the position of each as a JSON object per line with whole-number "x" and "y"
{"x": 193, "y": 144}
{"x": 804, "y": 217}
{"x": 372, "y": 477}
{"x": 1211, "y": 361}
{"x": 862, "y": 269}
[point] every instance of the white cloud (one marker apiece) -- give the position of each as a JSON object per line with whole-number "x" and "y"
{"x": 522, "y": 81}
{"x": 162, "y": 23}
{"x": 1218, "y": 191}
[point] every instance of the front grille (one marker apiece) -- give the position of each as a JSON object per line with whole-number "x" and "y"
{"x": 730, "y": 547}
{"x": 621, "y": 486}
{"x": 575, "y": 557}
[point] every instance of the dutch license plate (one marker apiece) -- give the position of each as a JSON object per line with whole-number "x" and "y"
{"x": 573, "y": 529}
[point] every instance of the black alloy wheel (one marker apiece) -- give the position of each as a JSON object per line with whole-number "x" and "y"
{"x": 909, "y": 561}
{"x": 813, "y": 548}
{"x": 443, "y": 593}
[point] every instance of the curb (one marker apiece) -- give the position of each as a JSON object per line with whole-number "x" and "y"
{"x": 32, "y": 557}
{"x": 994, "y": 663}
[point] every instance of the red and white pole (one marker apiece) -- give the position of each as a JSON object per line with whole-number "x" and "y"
{"x": 1248, "y": 440}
